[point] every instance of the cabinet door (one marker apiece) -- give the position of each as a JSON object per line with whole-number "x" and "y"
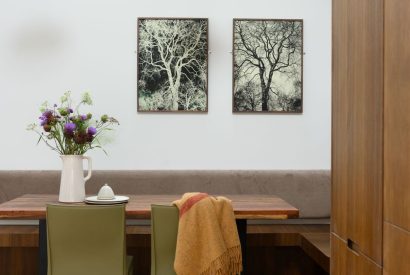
{"x": 396, "y": 233}
{"x": 347, "y": 261}
{"x": 396, "y": 249}
{"x": 357, "y": 124}
{"x": 338, "y": 259}
{"x": 397, "y": 114}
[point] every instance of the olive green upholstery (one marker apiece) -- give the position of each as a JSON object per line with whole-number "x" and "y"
{"x": 164, "y": 224}
{"x": 87, "y": 240}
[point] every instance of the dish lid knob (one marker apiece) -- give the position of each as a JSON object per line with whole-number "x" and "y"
{"x": 105, "y": 193}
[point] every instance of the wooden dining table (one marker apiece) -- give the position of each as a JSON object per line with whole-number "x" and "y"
{"x": 246, "y": 207}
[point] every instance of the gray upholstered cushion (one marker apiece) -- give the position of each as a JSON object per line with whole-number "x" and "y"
{"x": 307, "y": 190}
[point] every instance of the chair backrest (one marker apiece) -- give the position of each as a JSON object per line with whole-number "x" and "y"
{"x": 86, "y": 240}
{"x": 164, "y": 231}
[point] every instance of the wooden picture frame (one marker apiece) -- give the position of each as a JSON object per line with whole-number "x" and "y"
{"x": 267, "y": 66}
{"x": 172, "y": 61}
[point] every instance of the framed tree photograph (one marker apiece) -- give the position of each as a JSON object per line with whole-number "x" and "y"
{"x": 172, "y": 65}
{"x": 267, "y": 66}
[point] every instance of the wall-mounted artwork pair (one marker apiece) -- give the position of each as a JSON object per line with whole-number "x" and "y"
{"x": 173, "y": 65}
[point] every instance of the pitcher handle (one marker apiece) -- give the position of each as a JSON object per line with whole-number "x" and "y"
{"x": 89, "y": 166}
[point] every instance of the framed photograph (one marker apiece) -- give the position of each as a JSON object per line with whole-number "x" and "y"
{"x": 267, "y": 66}
{"x": 172, "y": 65}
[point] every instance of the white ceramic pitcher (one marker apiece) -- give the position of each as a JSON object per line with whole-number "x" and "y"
{"x": 72, "y": 185}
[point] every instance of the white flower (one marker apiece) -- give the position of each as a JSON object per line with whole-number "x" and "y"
{"x": 43, "y": 106}
{"x": 87, "y": 98}
{"x": 65, "y": 97}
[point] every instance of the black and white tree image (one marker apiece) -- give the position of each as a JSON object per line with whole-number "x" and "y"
{"x": 267, "y": 65}
{"x": 172, "y": 64}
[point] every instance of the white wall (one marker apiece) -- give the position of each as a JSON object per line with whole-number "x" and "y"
{"x": 49, "y": 46}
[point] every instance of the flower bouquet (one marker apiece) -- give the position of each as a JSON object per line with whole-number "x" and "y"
{"x": 65, "y": 130}
{"x": 71, "y": 133}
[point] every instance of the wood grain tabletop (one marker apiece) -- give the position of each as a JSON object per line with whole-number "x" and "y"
{"x": 139, "y": 206}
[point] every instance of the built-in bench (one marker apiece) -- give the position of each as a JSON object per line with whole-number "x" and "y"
{"x": 317, "y": 246}
{"x": 308, "y": 190}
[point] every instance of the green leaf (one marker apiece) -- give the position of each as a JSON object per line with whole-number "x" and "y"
{"x": 39, "y": 139}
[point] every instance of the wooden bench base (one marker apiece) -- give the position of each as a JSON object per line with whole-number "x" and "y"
{"x": 314, "y": 240}
{"x": 317, "y": 246}
{"x": 271, "y": 247}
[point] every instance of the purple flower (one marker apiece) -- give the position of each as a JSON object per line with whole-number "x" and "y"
{"x": 43, "y": 120}
{"x": 70, "y": 110}
{"x": 69, "y": 128}
{"x": 81, "y": 138}
{"x": 47, "y": 113}
{"x": 46, "y": 118}
{"x": 91, "y": 131}
{"x": 83, "y": 117}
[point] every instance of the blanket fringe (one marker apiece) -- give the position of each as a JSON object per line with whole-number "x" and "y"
{"x": 229, "y": 263}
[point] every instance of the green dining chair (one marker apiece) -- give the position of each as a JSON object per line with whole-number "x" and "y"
{"x": 164, "y": 230}
{"x": 84, "y": 240}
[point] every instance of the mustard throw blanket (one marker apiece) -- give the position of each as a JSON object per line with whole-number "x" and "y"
{"x": 207, "y": 241}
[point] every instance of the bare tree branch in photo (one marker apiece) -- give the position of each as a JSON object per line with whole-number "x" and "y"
{"x": 171, "y": 53}
{"x": 191, "y": 98}
{"x": 248, "y": 97}
{"x": 265, "y": 48}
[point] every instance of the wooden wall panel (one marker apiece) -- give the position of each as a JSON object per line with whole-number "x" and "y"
{"x": 346, "y": 261}
{"x": 397, "y": 114}
{"x": 357, "y": 124}
{"x": 396, "y": 250}
{"x": 365, "y": 78}
{"x": 396, "y": 245}
{"x": 338, "y": 260}
{"x": 340, "y": 119}
{"x": 360, "y": 265}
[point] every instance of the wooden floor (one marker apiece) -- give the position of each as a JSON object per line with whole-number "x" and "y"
{"x": 271, "y": 249}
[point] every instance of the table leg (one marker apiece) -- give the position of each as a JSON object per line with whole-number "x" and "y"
{"x": 241, "y": 225}
{"x": 42, "y": 246}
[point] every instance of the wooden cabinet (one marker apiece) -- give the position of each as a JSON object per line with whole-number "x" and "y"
{"x": 347, "y": 261}
{"x": 371, "y": 137}
{"x": 357, "y": 125}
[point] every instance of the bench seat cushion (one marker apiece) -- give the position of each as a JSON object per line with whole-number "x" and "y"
{"x": 308, "y": 190}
